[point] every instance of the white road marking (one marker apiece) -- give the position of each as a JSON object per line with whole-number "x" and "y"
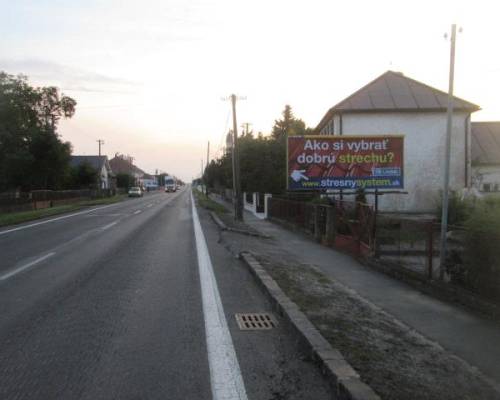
{"x": 109, "y": 225}
{"x": 225, "y": 375}
{"x": 55, "y": 219}
{"x": 149, "y": 205}
{"x": 137, "y": 212}
{"x": 105, "y": 215}
{"x": 26, "y": 266}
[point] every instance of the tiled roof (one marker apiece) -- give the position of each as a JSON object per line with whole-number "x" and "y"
{"x": 123, "y": 166}
{"x": 95, "y": 162}
{"x": 392, "y": 91}
{"x": 485, "y": 146}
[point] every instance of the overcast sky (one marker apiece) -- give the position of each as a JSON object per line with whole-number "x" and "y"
{"x": 149, "y": 76}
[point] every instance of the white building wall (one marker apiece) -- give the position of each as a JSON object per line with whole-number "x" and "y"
{"x": 424, "y": 153}
{"x": 104, "y": 178}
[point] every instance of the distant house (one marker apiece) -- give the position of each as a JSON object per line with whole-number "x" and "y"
{"x": 396, "y": 104}
{"x": 101, "y": 165}
{"x": 122, "y": 164}
{"x": 486, "y": 156}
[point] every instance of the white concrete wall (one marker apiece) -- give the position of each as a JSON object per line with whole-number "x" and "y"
{"x": 424, "y": 153}
{"x": 104, "y": 178}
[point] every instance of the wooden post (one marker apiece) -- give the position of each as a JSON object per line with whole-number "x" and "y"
{"x": 330, "y": 225}
{"x": 317, "y": 233}
{"x": 430, "y": 249}
{"x": 374, "y": 228}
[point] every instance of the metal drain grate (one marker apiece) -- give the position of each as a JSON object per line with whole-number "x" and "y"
{"x": 256, "y": 321}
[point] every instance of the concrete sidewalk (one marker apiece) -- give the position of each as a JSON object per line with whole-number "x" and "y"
{"x": 475, "y": 340}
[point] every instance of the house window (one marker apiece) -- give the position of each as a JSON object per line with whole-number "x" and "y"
{"x": 495, "y": 187}
{"x": 486, "y": 187}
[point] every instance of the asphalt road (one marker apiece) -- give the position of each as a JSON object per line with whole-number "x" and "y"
{"x": 106, "y": 304}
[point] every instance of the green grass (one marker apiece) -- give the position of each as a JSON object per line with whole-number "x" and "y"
{"x": 25, "y": 216}
{"x": 208, "y": 203}
{"x": 105, "y": 200}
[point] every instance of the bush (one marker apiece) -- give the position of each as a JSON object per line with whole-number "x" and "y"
{"x": 481, "y": 257}
{"x": 459, "y": 208}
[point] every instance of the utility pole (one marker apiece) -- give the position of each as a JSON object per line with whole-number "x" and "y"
{"x": 202, "y": 181}
{"x": 101, "y": 142}
{"x": 238, "y": 203}
{"x": 208, "y": 153}
{"x": 245, "y": 127}
{"x": 208, "y": 160}
{"x": 444, "y": 215}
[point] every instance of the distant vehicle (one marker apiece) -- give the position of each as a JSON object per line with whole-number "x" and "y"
{"x": 135, "y": 192}
{"x": 170, "y": 184}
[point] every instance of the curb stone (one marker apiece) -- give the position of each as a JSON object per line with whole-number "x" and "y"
{"x": 343, "y": 379}
{"x": 222, "y": 226}
{"x": 218, "y": 221}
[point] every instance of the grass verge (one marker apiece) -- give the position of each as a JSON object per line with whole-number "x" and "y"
{"x": 25, "y": 216}
{"x": 208, "y": 203}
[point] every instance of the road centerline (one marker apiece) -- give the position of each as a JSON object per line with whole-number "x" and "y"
{"x": 225, "y": 375}
{"x": 109, "y": 225}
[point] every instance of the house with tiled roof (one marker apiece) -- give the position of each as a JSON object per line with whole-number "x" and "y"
{"x": 486, "y": 156}
{"x": 394, "y": 104}
{"x": 101, "y": 165}
{"x": 122, "y": 164}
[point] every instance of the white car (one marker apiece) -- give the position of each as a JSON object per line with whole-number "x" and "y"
{"x": 135, "y": 192}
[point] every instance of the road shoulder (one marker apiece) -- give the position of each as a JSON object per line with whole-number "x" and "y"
{"x": 390, "y": 356}
{"x": 272, "y": 364}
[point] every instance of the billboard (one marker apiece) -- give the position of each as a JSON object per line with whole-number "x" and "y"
{"x": 345, "y": 162}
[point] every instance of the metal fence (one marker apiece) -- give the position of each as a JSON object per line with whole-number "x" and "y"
{"x": 342, "y": 224}
{"x": 405, "y": 242}
{"x": 410, "y": 243}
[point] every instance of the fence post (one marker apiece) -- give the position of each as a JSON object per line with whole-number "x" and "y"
{"x": 374, "y": 227}
{"x": 330, "y": 225}
{"x": 267, "y": 202}
{"x": 317, "y": 233}
{"x": 430, "y": 250}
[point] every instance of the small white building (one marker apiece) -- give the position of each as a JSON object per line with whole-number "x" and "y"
{"x": 486, "y": 157}
{"x": 398, "y": 105}
{"x": 149, "y": 182}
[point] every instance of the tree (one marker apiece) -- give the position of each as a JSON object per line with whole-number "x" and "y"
{"x": 289, "y": 126}
{"x": 124, "y": 181}
{"x": 262, "y": 158}
{"x": 32, "y": 156}
{"x": 84, "y": 176}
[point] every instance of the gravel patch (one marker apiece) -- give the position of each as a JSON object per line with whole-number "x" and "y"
{"x": 393, "y": 359}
